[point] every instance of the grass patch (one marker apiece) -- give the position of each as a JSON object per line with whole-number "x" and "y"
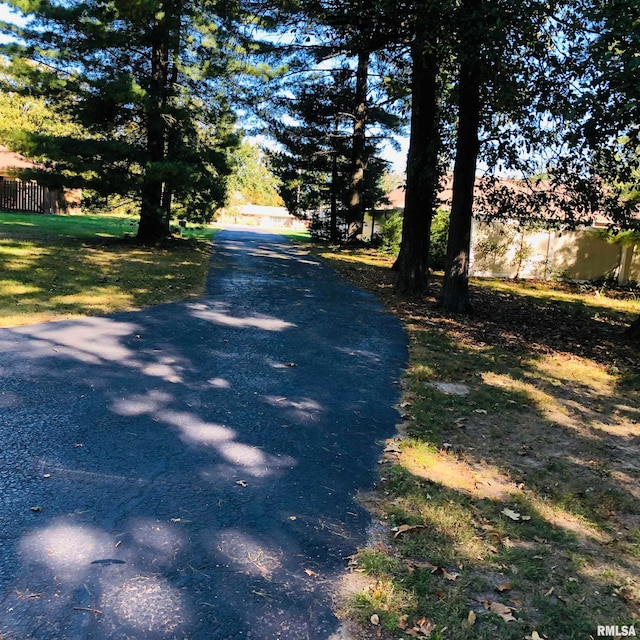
{"x": 511, "y": 497}
{"x": 296, "y": 235}
{"x": 57, "y": 267}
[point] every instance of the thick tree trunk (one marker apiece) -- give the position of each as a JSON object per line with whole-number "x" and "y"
{"x": 455, "y": 293}
{"x": 423, "y": 173}
{"x": 355, "y": 214}
{"x": 171, "y": 130}
{"x": 633, "y": 331}
{"x": 154, "y": 222}
{"x": 333, "y": 219}
{"x": 153, "y": 225}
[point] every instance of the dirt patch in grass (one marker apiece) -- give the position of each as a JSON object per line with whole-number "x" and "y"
{"x": 512, "y": 510}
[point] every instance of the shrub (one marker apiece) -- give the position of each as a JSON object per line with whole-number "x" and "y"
{"x": 391, "y": 232}
{"x": 439, "y": 234}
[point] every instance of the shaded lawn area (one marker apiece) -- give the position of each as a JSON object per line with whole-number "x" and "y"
{"x": 510, "y": 503}
{"x": 57, "y": 267}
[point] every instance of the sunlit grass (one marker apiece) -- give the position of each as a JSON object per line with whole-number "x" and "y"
{"x": 564, "y": 293}
{"x": 58, "y": 267}
{"x": 524, "y": 489}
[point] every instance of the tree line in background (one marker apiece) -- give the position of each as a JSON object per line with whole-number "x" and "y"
{"x": 148, "y": 95}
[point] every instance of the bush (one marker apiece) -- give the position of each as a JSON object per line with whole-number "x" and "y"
{"x": 320, "y": 227}
{"x": 391, "y": 233}
{"x": 439, "y": 234}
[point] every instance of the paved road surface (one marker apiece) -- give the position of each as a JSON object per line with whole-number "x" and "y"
{"x": 196, "y": 463}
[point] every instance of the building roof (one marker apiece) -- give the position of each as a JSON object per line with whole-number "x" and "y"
{"x": 510, "y": 188}
{"x": 11, "y": 161}
{"x": 395, "y": 198}
{"x": 262, "y": 211}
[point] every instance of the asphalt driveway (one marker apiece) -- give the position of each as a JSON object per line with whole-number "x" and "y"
{"x": 190, "y": 471}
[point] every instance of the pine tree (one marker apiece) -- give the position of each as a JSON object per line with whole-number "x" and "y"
{"x": 145, "y": 81}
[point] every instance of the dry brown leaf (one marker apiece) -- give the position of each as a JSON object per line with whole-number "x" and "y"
{"x": 423, "y": 628}
{"x": 423, "y": 564}
{"x": 311, "y": 573}
{"x": 504, "y": 586}
{"x": 450, "y": 576}
{"x": 471, "y": 618}
{"x": 375, "y": 619}
{"x": 502, "y": 610}
{"x": 549, "y": 592}
{"x": 403, "y": 528}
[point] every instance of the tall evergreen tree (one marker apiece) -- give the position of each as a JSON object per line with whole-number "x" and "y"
{"x": 505, "y": 54}
{"x": 341, "y": 41}
{"x": 144, "y": 79}
{"x": 424, "y": 22}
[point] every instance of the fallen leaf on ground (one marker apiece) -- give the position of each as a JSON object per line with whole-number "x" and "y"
{"x": 242, "y": 483}
{"x": 375, "y": 619}
{"x": 423, "y": 627}
{"x": 38, "y": 508}
{"x": 504, "y": 586}
{"x": 514, "y": 515}
{"x": 471, "y": 619}
{"x": 424, "y": 564}
{"x": 311, "y": 573}
{"x": 403, "y": 528}
{"x": 449, "y": 576}
{"x": 502, "y": 610}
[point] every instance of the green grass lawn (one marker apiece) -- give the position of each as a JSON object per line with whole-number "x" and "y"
{"x": 510, "y": 500}
{"x": 56, "y": 267}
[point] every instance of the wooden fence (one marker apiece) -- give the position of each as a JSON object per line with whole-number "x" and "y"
{"x": 18, "y": 195}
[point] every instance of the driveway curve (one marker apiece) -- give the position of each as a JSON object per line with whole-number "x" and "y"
{"x": 190, "y": 470}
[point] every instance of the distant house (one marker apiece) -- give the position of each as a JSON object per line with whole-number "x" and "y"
{"x": 29, "y": 196}
{"x": 252, "y": 215}
{"x": 508, "y": 250}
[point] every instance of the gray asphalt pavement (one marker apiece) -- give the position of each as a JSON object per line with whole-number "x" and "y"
{"x": 190, "y": 471}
